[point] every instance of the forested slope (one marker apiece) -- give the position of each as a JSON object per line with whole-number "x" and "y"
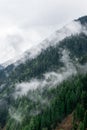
{"x": 40, "y": 92}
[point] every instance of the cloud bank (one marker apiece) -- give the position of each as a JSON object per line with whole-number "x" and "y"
{"x": 51, "y": 79}
{"x": 25, "y": 23}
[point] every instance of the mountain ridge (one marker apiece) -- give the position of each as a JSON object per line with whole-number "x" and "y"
{"x": 35, "y": 92}
{"x": 82, "y": 20}
{"x": 42, "y": 45}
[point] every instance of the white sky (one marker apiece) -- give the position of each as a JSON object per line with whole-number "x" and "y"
{"x": 24, "y": 23}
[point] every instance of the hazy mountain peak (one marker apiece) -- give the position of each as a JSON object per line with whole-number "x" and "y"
{"x": 82, "y": 20}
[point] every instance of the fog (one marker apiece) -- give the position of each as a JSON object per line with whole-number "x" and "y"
{"x": 25, "y": 23}
{"x": 15, "y": 114}
{"x": 51, "y": 79}
{"x": 72, "y": 28}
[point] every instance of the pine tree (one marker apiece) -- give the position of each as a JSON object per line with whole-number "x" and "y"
{"x": 85, "y": 120}
{"x": 81, "y": 126}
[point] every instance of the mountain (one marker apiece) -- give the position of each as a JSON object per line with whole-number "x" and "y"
{"x": 82, "y": 20}
{"x": 1, "y": 67}
{"x": 45, "y": 84}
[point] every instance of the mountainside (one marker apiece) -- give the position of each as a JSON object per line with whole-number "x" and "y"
{"x": 45, "y": 85}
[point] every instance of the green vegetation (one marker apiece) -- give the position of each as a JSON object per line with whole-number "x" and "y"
{"x": 80, "y": 113}
{"x": 77, "y": 46}
{"x": 63, "y": 100}
{"x": 43, "y": 108}
{"x": 47, "y": 61}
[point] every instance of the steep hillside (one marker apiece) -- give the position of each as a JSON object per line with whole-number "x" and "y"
{"x": 46, "y": 84}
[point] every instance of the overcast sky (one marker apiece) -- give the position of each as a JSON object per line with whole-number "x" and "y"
{"x": 24, "y": 23}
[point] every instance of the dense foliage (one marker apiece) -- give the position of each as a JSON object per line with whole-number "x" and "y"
{"x": 43, "y": 109}
{"x": 77, "y": 46}
{"x": 80, "y": 113}
{"x": 48, "y": 60}
{"x": 63, "y": 100}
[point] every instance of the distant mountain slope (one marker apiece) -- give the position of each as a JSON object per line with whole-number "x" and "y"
{"x": 82, "y": 20}
{"x": 29, "y": 87}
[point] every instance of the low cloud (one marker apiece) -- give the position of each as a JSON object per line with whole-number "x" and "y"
{"x": 23, "y": 88}
{"x": 71, "y": 29}
{"x": 15, "y": 114}
{"x": 24, "y": 18}
{"x": 34, "y": 50}
{"x": 51, "y": 79}
{"x": 16, "y": 44}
